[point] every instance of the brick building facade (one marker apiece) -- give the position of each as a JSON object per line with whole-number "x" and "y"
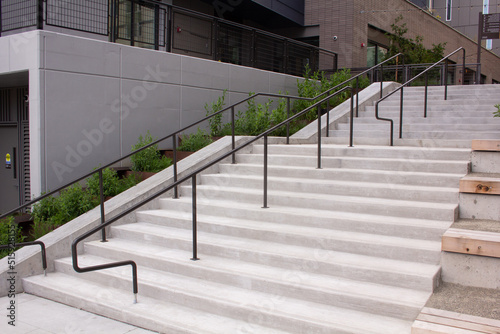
{"x": 358, "y": 23}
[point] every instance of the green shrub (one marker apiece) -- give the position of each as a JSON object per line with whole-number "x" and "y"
{"x": 9, "y": 232}
{"x": 195, "y": 141}
{"x": 56, "y": 211}
{"x": 317, "y": 82}
{"x": 150, "y": 159}
{"x": 497, "y": 113}
{"x": 216, "y": 121}
{"x": 111, "y": 183}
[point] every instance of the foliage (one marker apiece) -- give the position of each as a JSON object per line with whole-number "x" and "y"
{"x": 497, "y": 113}
{"x": 317, "y": 82}
{"x": 111, "y": 182}
{"x": 195, "y": 141}
{"x": 52, "y": 212}
{"x": 216, "y": 121}
{"x": 413, "y": 49}
{"x": 149, "y": 159}
{"x": 55, "y": 211}
{"x": 10, "y": 233}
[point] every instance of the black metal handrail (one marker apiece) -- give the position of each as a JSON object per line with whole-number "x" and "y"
{"x": 31, "y": 243}
{"x": 193, "y": 175}
{"x": 336, "y": 90}
{"x": 401, "y": 89}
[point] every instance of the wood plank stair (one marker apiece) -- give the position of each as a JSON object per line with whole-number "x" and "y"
{"x": 435, "y": 321}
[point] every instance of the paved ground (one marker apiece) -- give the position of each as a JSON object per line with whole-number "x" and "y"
{"x": 479, "y": 302}
{"x": 35, "y": 315}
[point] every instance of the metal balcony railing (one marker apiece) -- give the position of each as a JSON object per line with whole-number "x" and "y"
{"x": 153, "y": 25}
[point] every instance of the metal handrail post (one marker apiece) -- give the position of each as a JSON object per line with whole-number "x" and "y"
{"x": 381, "y": 81}
{"x": 174, "y": 146}
{"x": 233, "y": 141}
{"x": 265, "y": 171}
{"x": 288, "y": 123}
{"x": 32, "y": 243}
{"x": 101, "y": 199}
{"x": 319, "y": 135}
{"x": 463, "y": 69}
{"x": 425, "y": 94}
{"x": 385, "y": 119}
{"x": 195, "y": 220}
{"x": 401, "y": 114}
{"x": 328, "y": 118}
{"x": 357, "y": 97}
{"x": 351, "y": 136}
{"x": 446, "y": 80}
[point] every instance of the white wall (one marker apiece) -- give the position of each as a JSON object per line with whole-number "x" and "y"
{"x": 90, "y": 99}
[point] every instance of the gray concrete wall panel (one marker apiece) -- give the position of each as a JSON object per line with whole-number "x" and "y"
{"x": 81, "y": 88}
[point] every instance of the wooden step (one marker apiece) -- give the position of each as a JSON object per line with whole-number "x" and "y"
{"x": 471, "y": 242}
{"x": 435, "y": 321}
{"x": 480, "y": 185}
{"x": 486, "y": 145}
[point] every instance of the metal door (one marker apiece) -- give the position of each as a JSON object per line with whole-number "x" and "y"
{"x": 9, "y": 168}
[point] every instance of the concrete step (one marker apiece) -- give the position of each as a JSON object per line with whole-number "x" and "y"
{"x": 151, "y": 313}
{"x": 453, "y": 103}
{"x": 408, "y": 142}
{"x": 331, "y": 187}
{"x": 376, "y": 206}
{"x": 418, "y": 112}
{"x": 408, "y": 249}
{"x": 368, "y": 151}
{"x": 409, "y": 125}
{"x": 317, "y": 260}
{"x": 322, "y": 289}
{"x": 325, "y": 219}
{"x": 447, "y": 180}
{"x": 277, "y": 313}
{"x": 435, "y": 119}
{"x": 454, "y": 135}
{"x": 420, "y": 165}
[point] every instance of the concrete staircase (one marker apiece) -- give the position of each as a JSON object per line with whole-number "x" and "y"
{"x": 353, "y": 247}
{"x": 464, "y": 116}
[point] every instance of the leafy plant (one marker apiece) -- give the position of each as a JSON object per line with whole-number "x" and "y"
{"x": 10, "y": 233}
{"x": 216, "y": 121}
{"x": 413, "y": 49}
{"x": 195, "y": 141}
{"x": 315, "y": 83}
{"x": 110, "y": 182}
{"x": 149, "y": 159}
{"x": 52, "y": 212}
{"x": 497, "y": 113}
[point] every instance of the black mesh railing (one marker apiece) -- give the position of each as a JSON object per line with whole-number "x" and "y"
{"x": 150, "y": 24}
{"x": 192, "y": 34}
{"x": 234, "y": 45}
{"x": 18, "y": 14}
{"x": 83, "y": 15}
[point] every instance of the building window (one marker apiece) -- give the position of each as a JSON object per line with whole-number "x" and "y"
{"x": 376, "y": 54}
{"x": 449, "y": 5}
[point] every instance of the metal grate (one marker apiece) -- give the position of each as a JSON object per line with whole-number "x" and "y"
{"x": 5, "y": 105}
{"x": 234, "y": 45}
{"x": 140, "y": 23}
{"x": 298, "y": 57}
{"x": 192, "y": 34}
{"x": 25, "y": 167}
{"x": 83, "y": 15}
{"x": 269, "y": 53}
{"x": 22, "y": 104}
{"x": 17, "y": 14}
